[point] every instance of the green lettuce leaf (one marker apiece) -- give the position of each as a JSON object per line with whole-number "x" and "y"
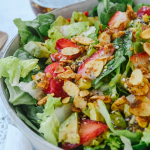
{"x": 49, "y": 123}
{"x": 17, "y": 96}
{"x": 127, "y": 143}
{"x": 45, "y": 20}
{"x": 37, "y": 49}
{"x": 54, "y": 35}
{"x": 146, "y": 137}
{"x": 14, "y": 68}
{"x": 50, "y": 128}
{"x": 22, "y": 116}
{"x": 133, "y": 137}
{"x": 25, "y": 34}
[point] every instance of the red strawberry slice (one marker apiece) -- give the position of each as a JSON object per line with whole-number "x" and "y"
{"x": 102, "y": 52}
{"x": 61, "y": 44}
{"x": 143, "y": 10}
{"x": 68, "y": 146}
{"x": 140, "y": 59}
{"x": 90, "y": 129}
{"x": 55, "y": 86}
{"x": 119, "y": 16}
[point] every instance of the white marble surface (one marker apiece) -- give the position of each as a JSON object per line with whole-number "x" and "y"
{"x": 11, "y": 9}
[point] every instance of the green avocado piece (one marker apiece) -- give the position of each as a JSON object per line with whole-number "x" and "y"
{"x": 68, "y": 131}
{"x": 60, "y": 21}
{"x": 37, "y": 49}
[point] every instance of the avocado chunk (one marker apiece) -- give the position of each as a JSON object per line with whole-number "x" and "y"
{"x": 37, "y": 49}
{"x": 68, "y": 131}
{"x": 94, "y": 114}
{"x": 60, "y": 21}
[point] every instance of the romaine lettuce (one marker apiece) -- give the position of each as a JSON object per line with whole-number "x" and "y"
{"x": 17, "y": 96}
{"x": 14, "y": 68}
{"x": 37, "y": 49}
{"x": 49, "y": 123}
{"x": 54, "y": 35}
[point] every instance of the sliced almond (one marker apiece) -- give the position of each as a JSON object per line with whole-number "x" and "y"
{"x": 105, "y": 99}
{"x": 142, "y": 121}
{"x": 98, "y": 66}
{"x": 84, "y": 93}
{"x": 136, "y": 77}
{"x": 59, "y": 69}
{"x": 71, "y": 89}
{"x": 146, "y": 47}
{"x": 104, "y": 38}
{"x": 66, "y": 100}
{"x": 82, "y": 40}
{"x": 38, "y": 76}
{"x": 79, "y": 102}
{"x": 145, "y": 34}
{"x": 70, "y": 51}
{"x": 67, "y": 74}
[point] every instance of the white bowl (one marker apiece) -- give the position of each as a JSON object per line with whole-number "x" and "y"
{"x": 37, "y": 142}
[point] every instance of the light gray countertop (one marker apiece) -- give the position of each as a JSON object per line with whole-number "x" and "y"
{"x": 9, "y": 10}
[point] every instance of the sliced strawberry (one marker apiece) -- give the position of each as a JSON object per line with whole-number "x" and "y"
{"x": 102, "y": 52}
{"x": 57, "y": 56}
{"x": 68, "y": 146}
{"x": 143, "y": 10}
{"x": 55, "y": 86}
{"x": 140, "y": 59}
{"x": 63, "y": 43}
{"x": 116, "y": 17}
{"x": 90, "y": 129}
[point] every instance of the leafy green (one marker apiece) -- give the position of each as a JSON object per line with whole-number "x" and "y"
{"x": 146, "y": 137}
{"x": 22, "y": 54}
{"x": 14, "y": 68}
{"x": 26, "y": 120}
{"x": 37, "y": 49}
{"x": 33, "y": 26}
{"x": 106, "y": 9}
{"x": 17, "y": 96}
{"x": 127, "y": 143}
{"x": 54, "y": 35}
{"x": 49, "y": 107}
{"x": 77, "y": 28}
{"x": 133, "y": 137}
{"x": 45, "y": 20}
{"x": 60, "y": 21}
{"x": 25, "y": 34}
{"x": 30, "y": 111}
{"x": 49, "y": 123}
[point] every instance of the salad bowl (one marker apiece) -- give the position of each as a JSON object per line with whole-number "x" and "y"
{"x": 37, "y": 142}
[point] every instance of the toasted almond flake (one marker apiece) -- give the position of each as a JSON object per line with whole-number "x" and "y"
{"x": 136, "y": 77}
{"x": 66, "y": 100}
{"x": 105, "y": 99}
{"x": 71, "y": 89}
{"x": 104, "y": 38}
{"x": 82, "y": 40}
{"x": 78, "y": 76}
{"x": 66, "y": 61}
{"x": 145, "y": 34}
{"x": 142, "y": 121}
{"x": 48, "y": 75}
{"x": 70, "y": 51}
{"x": 146, "y": 47}
{"x": 59, "y": 69}
{"x": 79, "y": 102}
{"x": 38, "y": 76}
{"x": 42, "y": 101}
{"x": 66, "y": 75}
{"x": 98, "y": 66}
{"x": 84, "y": 93}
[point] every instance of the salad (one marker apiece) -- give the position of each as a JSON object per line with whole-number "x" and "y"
{"x": 83, "y": 83}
